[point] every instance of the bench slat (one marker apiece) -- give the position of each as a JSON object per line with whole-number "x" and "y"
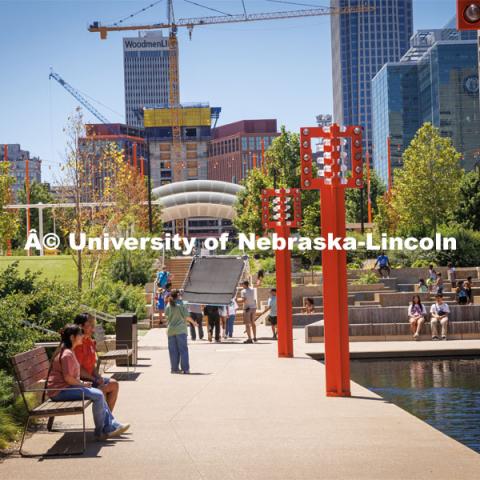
{"x": 27, "y": 370}
{"x": 115, "y": 353}
{"x": 59, "y": 408}
{"x": 32, "y": 356}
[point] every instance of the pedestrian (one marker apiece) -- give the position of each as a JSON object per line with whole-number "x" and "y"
{"x": 383, "y": 265}
{"x": 309, "y": 306}
{"x": 461, "y": 293}
{"x": 177, "y": 317}
{"x": 468, "y": 288}
{"x": 196, "y": 314}
{"x": 439, "y": 315}
{"x": 260, "y": 277}
{"x": 439, "y": 284}
{"x": 222, "y": 311}
{"x": 422, "y": 287}
{"x": 452, "y": 275}
{"x": 272, "y": 316}
{"x": 163, "y": 277}
{"x": 247, "y": 297}
{"x": 231, "y": 312}
{"x": 213, "y": 315}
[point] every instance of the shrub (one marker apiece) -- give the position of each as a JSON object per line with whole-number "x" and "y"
{"x": 116, "y": 297}
{"x": 366, "y": 279}
{"x": 131, "y": 267}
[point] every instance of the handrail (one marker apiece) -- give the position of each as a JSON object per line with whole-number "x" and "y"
{"x": 104, "y": 317}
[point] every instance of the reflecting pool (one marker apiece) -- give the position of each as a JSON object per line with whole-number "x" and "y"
{"x": 443, "y": 393}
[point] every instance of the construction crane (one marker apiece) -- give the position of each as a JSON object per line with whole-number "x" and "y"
{"x": 189, "y": 23}
{"x": 77, "y": 95}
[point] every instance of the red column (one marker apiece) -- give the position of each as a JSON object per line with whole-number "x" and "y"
{"x": 335, "y": 297}
{"x": 284, "y": 297}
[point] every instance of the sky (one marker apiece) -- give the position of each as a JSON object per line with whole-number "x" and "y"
{"x": 276, "y": 69}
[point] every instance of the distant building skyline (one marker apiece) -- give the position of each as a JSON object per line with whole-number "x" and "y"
{"x": 361, "y": 44}
{"x": 146, "y": 74}
{"x": 17, "y": 159}
{"x": 435, "y": 81}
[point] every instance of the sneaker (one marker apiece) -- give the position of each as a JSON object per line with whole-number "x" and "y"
{"x": 209, "y": 337}
{"x": 119, "y": 431}
{"x": 186, "y": 372}
{"x": 444, "y": 338}
{"x": 249, "y": 340}
{"x": 175, "y": 371}
{"x": 101, "y": 438}
{"x": 435, "y": 338}
{"x": 274, "y": 337}
{"x": 255, "y": 339}
{"x": 416, "y": 336}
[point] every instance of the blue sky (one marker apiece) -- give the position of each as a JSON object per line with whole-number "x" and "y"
{"x": 278, "y": 69}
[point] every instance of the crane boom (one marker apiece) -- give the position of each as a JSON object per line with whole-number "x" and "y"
{"x": 238, "y": 18}
{"x": 76, "y": 94}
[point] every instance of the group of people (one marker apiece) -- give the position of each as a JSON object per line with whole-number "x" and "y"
{"x": 439, "y": 311}
{"x": 73, "y": 376}
{"x": 180, "y": 315}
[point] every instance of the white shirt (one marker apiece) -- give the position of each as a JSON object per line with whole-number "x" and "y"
{"x": 410, "y": 310}
{"x": 248, "y": 295}
{"x": 437, "y": 309}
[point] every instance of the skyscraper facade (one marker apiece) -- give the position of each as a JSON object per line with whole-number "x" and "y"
{"x": 437, "y": 82}
{"x": 146, "y": 74}
{"x": 361, "y": 44}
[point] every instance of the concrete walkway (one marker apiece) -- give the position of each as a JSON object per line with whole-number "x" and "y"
{"x": 244, "y": 414}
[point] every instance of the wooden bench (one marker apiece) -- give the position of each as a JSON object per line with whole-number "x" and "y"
{"x": 124, "y": 353}
{"x": 30, "y": 368}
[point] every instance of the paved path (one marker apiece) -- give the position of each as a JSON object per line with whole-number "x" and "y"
{"x": 247, "y": 415}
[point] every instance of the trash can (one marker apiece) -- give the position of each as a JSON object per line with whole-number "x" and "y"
{"x": 126, "y": 335}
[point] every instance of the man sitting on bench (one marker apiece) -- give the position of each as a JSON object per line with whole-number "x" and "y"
{"x": 86, "y": 354}
{"x": 383, "y": 265}
{"x": 439, "y": 312}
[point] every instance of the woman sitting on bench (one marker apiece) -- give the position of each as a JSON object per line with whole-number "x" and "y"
{"x": 65, "y": 377}
{"x": 86, "y": 354}
{"x": 416, "y": 316}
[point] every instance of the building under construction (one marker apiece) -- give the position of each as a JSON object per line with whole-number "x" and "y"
{"x": 195, "y": 122}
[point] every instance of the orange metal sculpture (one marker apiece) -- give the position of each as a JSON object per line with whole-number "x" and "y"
{"x": 339, "y": 144}
{"x": 281, "y": 211}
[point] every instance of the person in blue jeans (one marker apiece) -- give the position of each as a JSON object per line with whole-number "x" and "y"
{"x": 177, "y": 317}
{"x": 64, "y": 385}
{"x": 231, "y": 313}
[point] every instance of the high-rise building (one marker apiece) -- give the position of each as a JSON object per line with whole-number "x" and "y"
{"x": 436, "y": 81}
{"x": 236, "y": 147}
{"x": 361, "y": 44}
{"x": 146, "y": 72}
{"x": 128, "y": 140}
{"x": 17, "y": 159}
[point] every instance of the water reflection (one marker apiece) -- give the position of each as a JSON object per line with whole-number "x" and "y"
{"x": 444, "y": 393}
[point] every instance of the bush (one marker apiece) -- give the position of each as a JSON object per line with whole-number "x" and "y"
{"x": 8, "y": 428}
{"x": 366, "y": 279}
{"x": 116, "y": 297}
{"x": 130, "y": 267}
{"x": 267, "y": 264}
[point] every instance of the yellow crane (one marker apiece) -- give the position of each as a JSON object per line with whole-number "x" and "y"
{"x": 189, "y": 23}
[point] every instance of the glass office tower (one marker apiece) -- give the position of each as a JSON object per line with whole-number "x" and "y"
{"x": 361, "y": 44}
{"x": 436, "y": 81}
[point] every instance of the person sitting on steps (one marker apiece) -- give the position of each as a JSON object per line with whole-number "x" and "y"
{"x": 416, "y": 316}
{"x": 439, "y": 316}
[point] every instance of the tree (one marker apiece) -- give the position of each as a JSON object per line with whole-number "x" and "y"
{"x": 282, "y": 169}
{"x": 426, "y": 189}
{"x": 353, "y": 198}
{"x": 467, "y": 208}
{"x": 8, "y": 218}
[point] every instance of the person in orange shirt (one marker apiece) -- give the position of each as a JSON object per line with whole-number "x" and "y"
{"x": 87, "y": 358}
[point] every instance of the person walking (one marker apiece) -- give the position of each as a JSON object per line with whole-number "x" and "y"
{"x": 231, "y": 314}
{"x": 163, "y": 277}
{"x": 213, "y": 315}
{"x": 196, "y": 315}
{"x": 247, "y": 296}
{"x": 272, "y": 316}
{"x": 177, "y": 317}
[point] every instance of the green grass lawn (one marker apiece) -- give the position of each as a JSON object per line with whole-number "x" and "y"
{"x": 60, "y": 267}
